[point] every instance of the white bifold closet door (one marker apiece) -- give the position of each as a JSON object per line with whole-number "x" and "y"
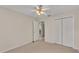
{"x": 60, "y": 31}
{"x": 68, "y": 31}
{"x": 65, "y": 31}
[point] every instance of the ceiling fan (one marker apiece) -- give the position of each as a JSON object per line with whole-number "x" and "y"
{"x": 40, "y": 10}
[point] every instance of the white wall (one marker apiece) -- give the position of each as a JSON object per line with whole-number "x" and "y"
{"x": 15, "y": 29}
{"x": 50, "y": 31}
{"x": 76, "y": 34}
{"x": 51, "y": 27}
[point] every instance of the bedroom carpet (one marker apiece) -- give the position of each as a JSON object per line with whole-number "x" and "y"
{"x": 42, "y": 47}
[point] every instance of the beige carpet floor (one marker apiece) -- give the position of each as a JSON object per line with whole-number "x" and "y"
{"x": 43, "y": 47}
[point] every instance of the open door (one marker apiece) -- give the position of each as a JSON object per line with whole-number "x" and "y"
{"x": 35, "y": 30}
{"x": 41, "y": 31}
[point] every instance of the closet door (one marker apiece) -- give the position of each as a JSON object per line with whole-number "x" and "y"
{"x": 68, "y": 32}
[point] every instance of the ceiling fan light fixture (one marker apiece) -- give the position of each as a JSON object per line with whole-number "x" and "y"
{"x": 39, "y": 10}
{"x": 42, "y": 12}
{"x": 38, "y": 13}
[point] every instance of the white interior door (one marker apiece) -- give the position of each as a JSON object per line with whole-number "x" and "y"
{"x": 36, "y": 30}
{"x": 68, "y": 32}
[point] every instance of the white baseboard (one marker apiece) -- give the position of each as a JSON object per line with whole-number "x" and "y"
{"x": 19, "y": 45}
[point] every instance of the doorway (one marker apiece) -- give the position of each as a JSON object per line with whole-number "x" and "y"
{"x": 38, "y": 30}
{"x": 42, "y": 31}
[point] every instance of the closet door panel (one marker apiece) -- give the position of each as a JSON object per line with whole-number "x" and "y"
{"x": 68, "y": 32}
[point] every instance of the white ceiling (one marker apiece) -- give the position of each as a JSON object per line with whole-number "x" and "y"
{"x": 53, "y": 9}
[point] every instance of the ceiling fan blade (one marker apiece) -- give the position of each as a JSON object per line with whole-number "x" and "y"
{"x": 44, "y": 9}
{"x": 47, "y": 14}
{"x": 37, "y": 7}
